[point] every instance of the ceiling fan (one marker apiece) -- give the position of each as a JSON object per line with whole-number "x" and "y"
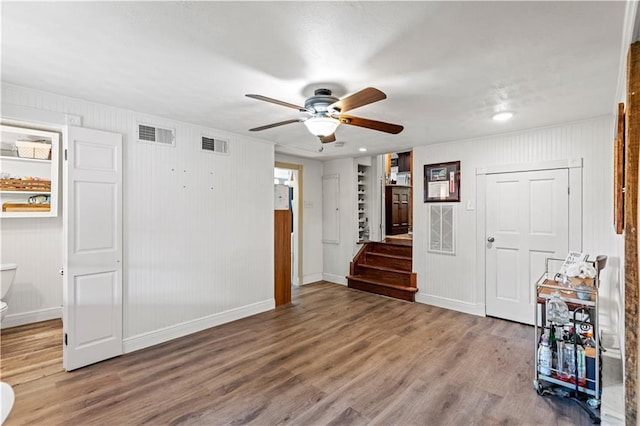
{"x": 327, "y": 112}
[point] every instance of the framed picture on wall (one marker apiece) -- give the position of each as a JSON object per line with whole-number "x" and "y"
{"x": 442, "y": 182}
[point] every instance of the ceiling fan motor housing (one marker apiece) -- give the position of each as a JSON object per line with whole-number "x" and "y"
{"x": 319, "y": 103}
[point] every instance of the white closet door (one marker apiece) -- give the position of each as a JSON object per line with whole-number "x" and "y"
{"x": 92, "y": 318}
{"x": 330, "y": 209}
{"x": 527, "y": 220}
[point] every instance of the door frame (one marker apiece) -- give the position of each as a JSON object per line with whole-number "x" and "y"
{"x": 299, "y": 211}
{"x": 574, "y": 167}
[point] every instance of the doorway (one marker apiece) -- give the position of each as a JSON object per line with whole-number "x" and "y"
{"x": 398, "y": 197}
{"x": 527, "y": 220}
{"x": 291, "y": 175}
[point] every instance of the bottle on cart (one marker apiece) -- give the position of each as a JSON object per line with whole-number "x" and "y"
{"x": 582, "y": 366}
{"x": 552, "y": 346}
{"x": 544, "y": 355}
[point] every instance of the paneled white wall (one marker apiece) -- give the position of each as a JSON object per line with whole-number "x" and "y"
{"x": 198, "y": 227}
{"x": 312, "y": 216}
{"x": 453, "y": 281}
{"x": 35, "y": 245}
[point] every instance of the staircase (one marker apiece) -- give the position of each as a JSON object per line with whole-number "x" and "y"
{"x": 384, "y": 268}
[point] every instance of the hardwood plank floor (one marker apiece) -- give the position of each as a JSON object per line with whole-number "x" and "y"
{"x": 336, "y": 356}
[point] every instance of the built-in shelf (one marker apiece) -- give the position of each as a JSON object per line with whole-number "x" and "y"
{"x": 25, "y": 168}
{"x": 363, "y": 203}
{"x": 28, "y": 160}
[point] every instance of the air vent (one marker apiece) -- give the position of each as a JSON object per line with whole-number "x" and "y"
{"x": 219, "y": 146}
{"x": 441, "y": 229}
{"x": 153, "y": 134}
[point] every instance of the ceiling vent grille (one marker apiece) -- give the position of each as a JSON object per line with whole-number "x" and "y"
{"x": 216, "y": 145}
{"x": 159, "y": 135}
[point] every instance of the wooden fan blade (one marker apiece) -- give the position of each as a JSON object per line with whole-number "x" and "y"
{"x": 358, "y": 99}
{"x": 328, "y": 139}
{"x": 371, "y": 124}
{"x": 277, "y": 102}
{"x": 280, "y": 123}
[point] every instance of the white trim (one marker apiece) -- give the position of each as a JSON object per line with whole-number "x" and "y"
{"x": 31, "y": 317}
{"x": 24, "y": 114}
{"x": 336, "y": 279}
{"x": 454, "y": 305}
{"x": 481, "y": 252}
{"x": 162, "y": 335}
{"x": 530, "y": 167}
{"x": 308, "y": 279}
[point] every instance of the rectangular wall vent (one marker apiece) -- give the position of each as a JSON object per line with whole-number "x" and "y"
{"x": 154, "y": 134}
{"x": 219, "y": 146}
{"x": 441, "y": 229}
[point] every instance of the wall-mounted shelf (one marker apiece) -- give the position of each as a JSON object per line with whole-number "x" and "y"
{"x": 38, "y": 176}
{"x": 363, "y": 203}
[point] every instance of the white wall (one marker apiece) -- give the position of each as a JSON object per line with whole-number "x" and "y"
{"x": 193, "y": 256}
{"x": 453, "y": 281}
{"x": 35, "y": 245}
{"x": 312, "y": 216}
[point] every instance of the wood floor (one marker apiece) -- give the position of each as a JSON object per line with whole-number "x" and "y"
{"x": 335, "y": 356}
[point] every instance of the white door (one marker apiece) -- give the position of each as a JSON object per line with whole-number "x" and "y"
{"x": 92, "y": 296}
{"x": 330, "y": 209}
{"x": 527, "y": 220}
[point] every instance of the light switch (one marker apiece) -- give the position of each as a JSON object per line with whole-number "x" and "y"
{"x": 308, "y": 204}
{"x": 470, "y": 205}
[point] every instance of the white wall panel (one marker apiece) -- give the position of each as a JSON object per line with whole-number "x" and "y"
{"x": 198, "y": 227}
{"x": 35, "y": 245}
{"x": 453, "y": 279}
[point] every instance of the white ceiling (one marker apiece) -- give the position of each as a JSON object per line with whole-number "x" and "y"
{"x": 446, "y": 67}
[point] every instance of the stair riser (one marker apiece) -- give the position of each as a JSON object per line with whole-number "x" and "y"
{"x": 397, "y": 278}
{"x": 385, "y": 291}
{"x": 392, "y": 249}
{"x": 401, "y": 264}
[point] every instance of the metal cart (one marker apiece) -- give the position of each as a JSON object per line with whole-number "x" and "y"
{"x": 583, "y": 307}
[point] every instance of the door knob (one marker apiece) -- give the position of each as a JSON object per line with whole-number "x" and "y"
{"x": 491, "y": 239}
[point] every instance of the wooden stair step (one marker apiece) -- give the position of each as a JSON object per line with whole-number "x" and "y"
{"x": 390, "y": 260}
{"x": 388, "y": 255}
{"x": 382, "y": 273}
{"x": 370, "y": 285}
{"x": 391, "y": 248}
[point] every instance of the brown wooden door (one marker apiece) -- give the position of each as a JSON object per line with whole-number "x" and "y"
{"x": 397, "y": 209}
{"x": 282, "y": 256}
{"x": 403, "y": 207}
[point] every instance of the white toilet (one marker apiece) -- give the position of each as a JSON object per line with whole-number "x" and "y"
{"x": 6, "y": 279}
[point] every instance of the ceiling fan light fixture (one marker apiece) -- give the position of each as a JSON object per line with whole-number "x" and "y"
{"x": 322, "y": 126}
{"x": 502, "y": 116}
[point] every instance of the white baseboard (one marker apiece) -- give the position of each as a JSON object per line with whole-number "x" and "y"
{"x": 308, "y": 279}
{"x": 455, "y": 305}
{"x": 145, "y": 340}
{"x": 31, "y": 317}
{"x": 336, "y": 279}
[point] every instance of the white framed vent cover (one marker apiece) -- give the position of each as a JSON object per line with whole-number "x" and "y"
{"x": 214, "y": 144}
{"x": 150, "y": 133}
{"x": 442, "y": 229}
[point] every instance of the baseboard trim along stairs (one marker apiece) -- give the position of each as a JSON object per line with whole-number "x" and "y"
{"x": 384, "y": 268}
